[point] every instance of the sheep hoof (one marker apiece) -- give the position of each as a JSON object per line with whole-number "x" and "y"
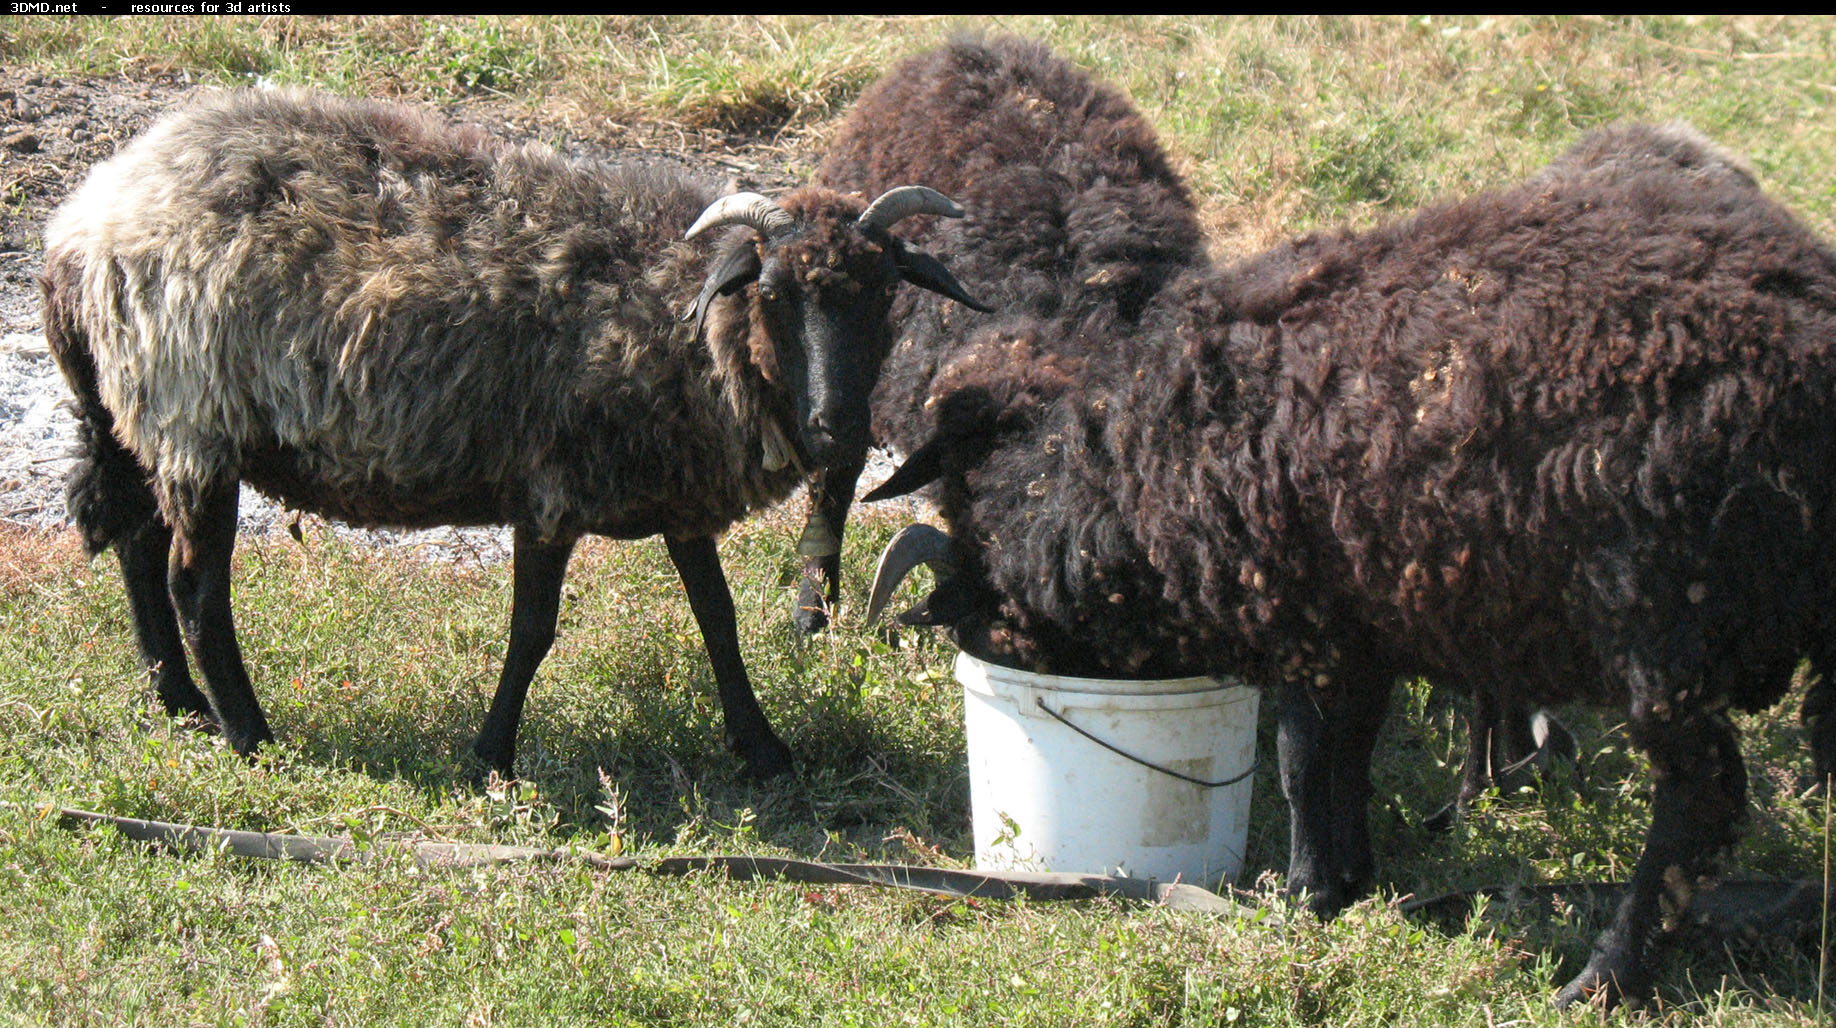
{"x": 246, "y": 745}
{"x": 1326, "y": 905}
{"x": 180, "y": 698}
{"x": 812, "y": 612}
{"x": 200, "y": 721}
{"x": 1323, "y": 903}
{"x": 765, "y": 756}
{"x": 491, "y": 759}
{"x": 809, "y": 618}
{"x": 1605, "y": 983}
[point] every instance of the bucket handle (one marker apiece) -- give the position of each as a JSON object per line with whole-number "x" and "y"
{"x": 1111, "y": 747}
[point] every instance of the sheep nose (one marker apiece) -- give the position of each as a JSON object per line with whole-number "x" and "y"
{"x": 818, "y": 438}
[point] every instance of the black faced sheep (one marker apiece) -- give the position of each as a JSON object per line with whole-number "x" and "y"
{"x": 1565, "y": 441}
{"x": 1076, "y": 212}
{"x": 375, "y": 315}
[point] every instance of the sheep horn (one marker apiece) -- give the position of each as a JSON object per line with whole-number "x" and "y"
{"x": 914, "y": 545}
{"x": 895, "y": 205}
{"x": 749, "y": 209}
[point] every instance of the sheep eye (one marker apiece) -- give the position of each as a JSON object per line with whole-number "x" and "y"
{"x": 769, "y": 295}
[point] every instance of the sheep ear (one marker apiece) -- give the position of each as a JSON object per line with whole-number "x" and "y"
{"x": 740, "y": 267}
{"x": 927, "y": 272}
{"x": 923, "y": 467}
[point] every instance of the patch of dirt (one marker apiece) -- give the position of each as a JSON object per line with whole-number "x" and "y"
{"x": 52, "y": 130}
{"x": 50, "y": 133}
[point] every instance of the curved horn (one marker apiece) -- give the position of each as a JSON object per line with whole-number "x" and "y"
{"x": 897, "y": 204}
{"x": 749, "y": 209}
{"x": 914, "y": 545}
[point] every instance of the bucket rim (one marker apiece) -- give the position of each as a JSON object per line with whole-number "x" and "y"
{"x": 971, "y": 669}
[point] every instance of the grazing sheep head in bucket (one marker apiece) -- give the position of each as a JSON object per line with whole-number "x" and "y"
{"x": 978, "y": 618}
{"x": 822, "y": 272}
{"x": 996, "y": 421}
{"x": 961, "y": 602}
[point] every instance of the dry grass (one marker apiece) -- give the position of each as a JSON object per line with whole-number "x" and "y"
{"x": 31, "y": 557}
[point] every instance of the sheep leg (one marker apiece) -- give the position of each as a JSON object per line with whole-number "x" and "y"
{"x": 1514, "y": 748}
{"x": 1528, "y": 741}
{"x": 1819, "y": 717}
{"x": 749, "y": 734}
{"x": 1357, "y": 719}
{"x": 819, "y": 590}
{"x": 144, "y": 554}
{"x": 1476, "y": 773}
{"x": 538, "y": 569}
{"x": 110, "y": 500}
{"x": 1324, "y": 742}
{"x": 199, "y": 583}
{"x": 1498, "y": 743}
{"x": 1303, "y": 748}
{"x": 1482, "y": 740}
{"x": 1698, "y": 804}
{"x": 1489, "y": 733}
{"x": 1501, "y": 743}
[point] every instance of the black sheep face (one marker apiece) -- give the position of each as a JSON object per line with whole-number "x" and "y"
{"x": 1042, "y": 570}
{"x": 820, "y": 316}
{"x": 819, "y": 298}
{"x": 962, "y": 602}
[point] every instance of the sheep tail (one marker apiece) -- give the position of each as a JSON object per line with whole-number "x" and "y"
{"x": 107, "y": 494}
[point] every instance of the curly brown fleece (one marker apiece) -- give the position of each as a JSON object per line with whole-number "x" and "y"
{"x": 1565, "y": 441}
{"x": 1074, "y": 209}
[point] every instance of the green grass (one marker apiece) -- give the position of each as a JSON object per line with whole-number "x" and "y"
{"x": 376, "y": 668}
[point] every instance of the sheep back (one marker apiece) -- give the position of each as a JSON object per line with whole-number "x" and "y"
{"x": 370, "y": 313}
{"x": 1492, "y": 436}
{"x": 1074, "y": 207}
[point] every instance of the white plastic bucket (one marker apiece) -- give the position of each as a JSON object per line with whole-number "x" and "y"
{"x": 1046, "y": 796}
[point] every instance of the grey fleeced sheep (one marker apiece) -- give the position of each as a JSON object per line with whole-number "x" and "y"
{"x": 370, "y": 313}
{"x": 1570, "y": 440}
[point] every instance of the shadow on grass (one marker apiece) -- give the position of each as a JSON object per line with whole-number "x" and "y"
{"x": 863, "y": 773}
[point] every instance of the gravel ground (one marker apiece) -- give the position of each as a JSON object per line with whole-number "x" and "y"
{"x": 51, "y": 132}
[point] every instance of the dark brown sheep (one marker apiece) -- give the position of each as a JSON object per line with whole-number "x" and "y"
{"x": 375, "y": 315}
{"x": 1567, "y": 441}
{"x": 1079, "y": 215}
{"x": 1076, "y": 211}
